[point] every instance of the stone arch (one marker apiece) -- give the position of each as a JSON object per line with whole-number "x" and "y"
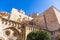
{"x": 16, "y": 32}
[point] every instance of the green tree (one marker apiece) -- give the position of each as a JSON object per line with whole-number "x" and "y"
{"x": 39, "y": 35}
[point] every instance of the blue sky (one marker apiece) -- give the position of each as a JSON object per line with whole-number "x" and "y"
{"x": 29, "y": 6}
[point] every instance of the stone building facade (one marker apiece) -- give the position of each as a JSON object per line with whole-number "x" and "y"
{"x": 11, "y": 25}
{"x": 16, "y": 25}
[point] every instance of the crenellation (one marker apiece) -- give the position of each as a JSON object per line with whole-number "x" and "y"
{"x": 14, "y": 25}
{"x": 8, "y": 22}
{"x": 19, "y": 26}
{"x": 5, "y": 22}
{"x": 2, "y": 21}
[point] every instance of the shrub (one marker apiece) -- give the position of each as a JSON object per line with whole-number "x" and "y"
{"x": 39, "y": 35}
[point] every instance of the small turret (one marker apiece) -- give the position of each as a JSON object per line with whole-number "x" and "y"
{"x": 34, "y": 15}
{"x": 21, "y": 11}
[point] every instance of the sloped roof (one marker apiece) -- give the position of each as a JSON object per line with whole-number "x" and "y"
{"x": 49, "y": 19}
